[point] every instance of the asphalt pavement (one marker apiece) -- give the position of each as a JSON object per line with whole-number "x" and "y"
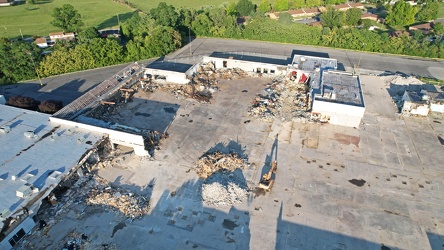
{"x": 68, "y": 87}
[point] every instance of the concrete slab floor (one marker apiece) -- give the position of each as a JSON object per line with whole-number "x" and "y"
{"x": 314, "y": 204}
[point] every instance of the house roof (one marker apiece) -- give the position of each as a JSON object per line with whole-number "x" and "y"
{"x": 369, "y": 16}
{"x": 40, "y": 40}
{"x": 423, "y": 26}
{"x": 296, "y": 12}
{"x": 57, "y": 33}
{"x": 312, "y": 10}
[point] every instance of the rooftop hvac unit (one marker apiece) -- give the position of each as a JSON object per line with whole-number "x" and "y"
{"x": 5, "y": 129}
{"x": 54, "y": 136}
{"x": 24, "y": 191}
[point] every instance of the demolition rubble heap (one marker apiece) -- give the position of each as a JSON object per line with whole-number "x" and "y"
{"x": 283, "y": 98}
{"x": 129, "y": 204}
{"x": 222, "y": 187}
{"x": 202, "y": 86}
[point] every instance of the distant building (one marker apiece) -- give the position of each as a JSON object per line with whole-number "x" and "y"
{"x": 370, "y": 16}
{"x": 41, "y": 42}
{"x": 423, "y": 102}
{"x": 105, "y": 33}
{"x": 6, "y": 2}
{"x": 70, "y": 36}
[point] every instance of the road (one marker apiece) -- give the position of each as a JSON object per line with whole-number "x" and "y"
{"x": 70, "y": 86}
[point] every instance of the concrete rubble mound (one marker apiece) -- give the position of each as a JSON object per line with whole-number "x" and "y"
{"x": 217, "y": 161}
{"x": 284, "y": 99}
{"x": 224, "y": 189}
{"x": 129, "y": 204}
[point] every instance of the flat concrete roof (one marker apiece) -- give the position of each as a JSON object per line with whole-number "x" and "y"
{"x": 31, "y": 156}
{"x": 312, "y": 62}
{"x": 340, "y": 87}
{"x": 169, "y": 66}
{"x": 252, "y": 57}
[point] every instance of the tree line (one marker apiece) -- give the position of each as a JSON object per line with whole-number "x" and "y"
{"x": 164, "y": 29}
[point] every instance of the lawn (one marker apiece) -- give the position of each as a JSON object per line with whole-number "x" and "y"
{"x": 441, "y": 10}
{"x": 34, "y": 20}
{"x": 145, "y": 5}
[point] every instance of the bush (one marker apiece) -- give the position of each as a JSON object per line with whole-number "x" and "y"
{"x": 22, "y": 102}
{"x": 50, "y": 106}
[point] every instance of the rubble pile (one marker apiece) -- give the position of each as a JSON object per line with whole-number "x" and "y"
{"x": 284, "y": 99}
{"x": 224, "y": 189}
{"x": 397, "y": 85}
{"x": 217, "y": 161}
{"x": 202, "y": 93}
{"x": 129, "y": 204}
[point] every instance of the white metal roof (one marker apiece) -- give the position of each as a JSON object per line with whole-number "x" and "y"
{"x": 35, "y": 152}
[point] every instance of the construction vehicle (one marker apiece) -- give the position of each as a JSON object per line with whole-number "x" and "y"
{"x": 266, "y": 182}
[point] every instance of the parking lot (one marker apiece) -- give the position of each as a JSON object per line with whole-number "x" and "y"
{"x": 336, "y": 187}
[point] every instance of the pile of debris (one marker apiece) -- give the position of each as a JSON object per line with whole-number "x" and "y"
{"x": 201, "y": 92}
{"x": 285, "y": 99}
{"x": 224, "y": 189}
{"x": 131, "y": 205}
{"x": 217, "y": 161}
{"x": 208, "y": 74}
{"x": 397, "y": 85}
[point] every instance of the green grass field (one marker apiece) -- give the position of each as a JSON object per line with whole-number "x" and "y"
{"x": 35, "y": 19}
{"x": 441, "y": 10}
{"x": 145, "y": 5}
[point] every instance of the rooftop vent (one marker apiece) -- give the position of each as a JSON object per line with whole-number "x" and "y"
{"x": 30, "y": 134}
{"x": 5, "y": 129}
{"x": 54, "y": 136}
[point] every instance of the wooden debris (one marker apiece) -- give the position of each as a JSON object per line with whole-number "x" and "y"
{"x": 217, "y": 161}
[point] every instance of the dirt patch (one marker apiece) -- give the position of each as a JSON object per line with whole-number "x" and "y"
{"x": 347, "y": 139}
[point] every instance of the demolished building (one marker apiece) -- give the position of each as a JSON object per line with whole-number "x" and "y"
{"x": 338, "y": 99}
{"x": 422, "y": 103}
{"x": 37, "y": 156}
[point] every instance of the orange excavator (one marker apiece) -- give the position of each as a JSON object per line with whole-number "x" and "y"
{"x": 266, "y": 182}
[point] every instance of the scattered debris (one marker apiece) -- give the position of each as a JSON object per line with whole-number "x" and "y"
{"x": 297, "y": 205}
{"x": 283, "y": 98}
{"x": 118, "y": 199}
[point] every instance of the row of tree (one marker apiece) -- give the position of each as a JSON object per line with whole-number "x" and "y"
{"x": 164, "y": 30}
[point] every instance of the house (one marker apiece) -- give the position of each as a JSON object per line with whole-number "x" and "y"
{"x": 273, "y": 15}
{"x": 297, "y": 13}
{"x": 370, "y": 16}
{"x": 6, "y": 2}
{"x": 105, "y": 33}
{"x": 425, "y": 28}
{"x": 312, "y": 11}
{"x": 70, "y": 36}
{"x": 41, "y": 42}
{"x": 346, "y": 6}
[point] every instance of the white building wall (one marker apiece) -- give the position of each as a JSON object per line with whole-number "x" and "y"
{"x": 437, "y": 107}
{"x": 171, "y": 76}
{"x": 246, "y": 66}
{"x": 340, "y": 114}
{"x": 26, "y": 225}
{"x": 117, "y": 137}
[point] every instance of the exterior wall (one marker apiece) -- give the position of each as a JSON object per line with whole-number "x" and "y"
{"x": 246, "y": 66}
{"x": 340, "y": 114}
{"x": 117, "y": 137}
{"x": 437, "y": 107}
{"x": 26, "y": 225}
{"x": 171, "y": 76}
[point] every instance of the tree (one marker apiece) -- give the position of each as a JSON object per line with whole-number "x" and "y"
{"x": 366, "y": 23}
{"x": 285, "y": 18}
{"x": 17, "y": 60}
{"x": 402, "y": 14}
{"x": 428, "y": 11}
{"x": 332, "y": 18}
{"x": 438, "y": 28}
{"x": 231, "y": 9}
{"x": 165, "y": 15}
{"x": 50, "y": 106}
{"x": 244, "y": 7}
{"x": 87, "y": 35}
{"x": 280, "y": 5}
{"x": 264, "y": 6}
{"x": 313, "y": 3}
{"x": 352, "y": 16}
{"x": 67, "y": 18}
